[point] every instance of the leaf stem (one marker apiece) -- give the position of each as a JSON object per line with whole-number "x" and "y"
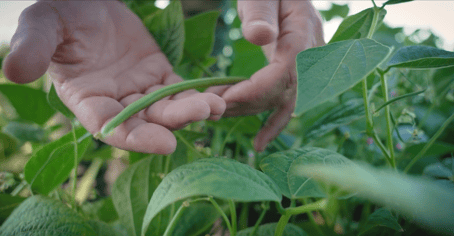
{"x": 374, "y": 21}
{"x": 221, "y": 150}
{"x": 389, "y": 128}
{"x": 429, "y": 144}
{"x": 172, "y": 224}
{"x": 398, "y": 98}
{"x": 233, "y": 216}
{"x": 281, "y": 224}
{"x": 312, "y": 220}
{"x": 190, "y": 146}
{"x": 74, "y": 177}
{"x": 157, "y": 95}
{"x": 224, "y": 216}
{"x": 321, "y": 204}
{"x": 265, "y": 207}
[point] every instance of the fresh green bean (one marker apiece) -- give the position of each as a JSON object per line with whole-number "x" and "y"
{"x": 159, "y": 94}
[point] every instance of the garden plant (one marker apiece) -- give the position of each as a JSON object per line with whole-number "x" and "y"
{"x": 369, "y": 150}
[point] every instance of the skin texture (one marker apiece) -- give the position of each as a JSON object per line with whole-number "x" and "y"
{"x": 101, "y": 58}
{"x": 283, "y": 29}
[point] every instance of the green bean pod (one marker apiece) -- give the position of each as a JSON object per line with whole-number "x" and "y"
{"x": 159, "y": 94}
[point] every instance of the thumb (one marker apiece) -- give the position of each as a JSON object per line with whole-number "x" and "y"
{"x": 259, "y": 20}
{"x": 32, "y": 45}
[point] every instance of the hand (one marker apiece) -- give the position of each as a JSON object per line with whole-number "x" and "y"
{"x": 284, "y": 28}
{"x": 101, "y": 58}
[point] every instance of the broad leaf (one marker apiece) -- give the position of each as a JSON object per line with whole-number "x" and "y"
{"x": 248, "y": 59}
{"x": 25, "y": 131}
{"x": 325, "y": 72}
{"x": 7, "y": 204}
{"x": 270, "y": 228}
{"x": 199, "y": 36}
{"x": 57, "y": 104}
{"x": 284, "y": 169}
{"x": 50, "y": 166}
{"x": 444, "y": 169}
{"x": 132, "y": 192}
{"x": 340, "y": 115}
{"x": 247, "y": 125}
{"x": 356, "y": 26}
{"x": 419, "y": 198}
{"x": 442, "y": 79}
{"x": 167, "y": 28}
{"x": 208, "y": 176}
{"x": 198, "y": 218}
{"x": 40, "y": 215}
{"x": 380, "y": 219}
{"x": 335, "y": 10}
{"x": 103, "y": 229}
{"x": 30, "y": 104}
{"x": 421, "y": 57}
{"x": 392, "y": 2}
{"x": 103, "y": 210}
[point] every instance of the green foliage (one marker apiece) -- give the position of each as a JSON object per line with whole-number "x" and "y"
{"x": 249, "y": 58}
{"x": 57, "y": 104}
{"x": 269, "y": 230}
{"x": 7, "y": 205}
{"x": 334, "y": 11}
{"x": 377, "y": 221}
{"x": 392, "y": 2}
{"x": 24, "y": 131}
{"x": 207, "y": 177}
{"x": 337, "y": 67}
{"x": 197, "y": 219}
{"x": 30, "y": 104}
{"x": 421, "y": 57}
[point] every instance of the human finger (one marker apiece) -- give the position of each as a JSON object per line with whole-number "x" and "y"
{"x": 33, "y": 44}
{"x": 259, "y": 20}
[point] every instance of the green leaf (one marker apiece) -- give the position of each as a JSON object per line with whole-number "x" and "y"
{"x": 40, "y": 215}
{"x": 57, "y": 104}
{"x": 30, "y": 104}
{"x": 424, "y": 200}
{"x": 270, "y": 228}
{"x": 132, "y": 192}
{"x": 437, "y": 149}
{"x": 248, "y": 59}
{"x": 340, "y": 115}
{"x": 208, "y": 176}
{"x": 190, "y": 70}
{"x": 199, "y": 32}
{"x": 167, "y": 28}
{"x": 378, "y": 220}
{"x": 8, "y": 144}
{"x": 392, "y": 2}
{"x": 103, "y": 210}
{"x": 103, "y": 229}
{"x": 334, "y": 11}
{"x": 25, "y": 131}
{"x": 421, "y": 57}
{"x": 325, "y": 72}
{"x": 284, "y": 169}
{"x": 50, "y": 166}
{"x": 197, "y": 219}
{"x": 442, "y": 78}
{"x": 443, "y": 169}
{"x": 248, "y": 125}
{"x": 356, "y": 26}
{"x": 7, "y": 204}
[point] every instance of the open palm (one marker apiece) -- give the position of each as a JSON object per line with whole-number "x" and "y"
{"x": 101, "y": 58}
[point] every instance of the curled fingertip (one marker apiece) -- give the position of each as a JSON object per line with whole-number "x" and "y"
{"x": 260, "y": 32}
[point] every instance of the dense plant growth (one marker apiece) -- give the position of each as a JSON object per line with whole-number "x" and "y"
{"x": 369, "y": 151}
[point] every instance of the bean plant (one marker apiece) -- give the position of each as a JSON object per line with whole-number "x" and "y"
{"x": 369, "y": 150}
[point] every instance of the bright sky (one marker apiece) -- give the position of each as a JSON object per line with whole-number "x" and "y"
{"x": 437, "y": 16}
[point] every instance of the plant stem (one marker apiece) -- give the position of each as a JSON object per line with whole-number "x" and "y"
{"x": 74, "y": 177}
{"x": 369, "y": 120}
{"x": 233, "y": 216}
{"x": 429, "y": 144}
{"x": 262, "y": 215}
{"x": 321, "y": 204}
{"x": 87, "y": 180}
{"x": 281, "y": 224}
{"x": 176, "y": 217}
{"x": 374, "y": 21}
{"x": 397, "y": 99}
{"x": 221, "y": 150}
{"x": 224, "y": 216}
{"x": 189, "y": 145}
{"x": 157, "y": 95}
{"x": 312, "y": 220}
{"x": 389, "y": 128}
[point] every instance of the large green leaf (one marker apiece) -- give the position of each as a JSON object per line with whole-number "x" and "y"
{"x": 284, "y": 169}
{"x": 7, "y": 204}
{"x": 335, "y": 10}
{"x": 57, "y": 104}
{"x": 217, "y": 177}
{"x": 51, "y": 165}
{"x": 197, "y": 219}
{"x": 132, "y": 192}
{"x": 199, "y": 36}
{"x": 377, "y": 221}
{"x": 29, "y": 103}
{"x": 167, "y": 28}
{"x": 419, "y": 198}
{"x": 325, "y": 72}
{"x": 25, "y": 131}
{"x": 356, "y": 26}
{"x": 248, "y": 59}
{"x": 270, "y": 228}
{"x": 39, "y": 215}
{"x": 421, "y": 57}
{"x": 103, "y": 229}
{"x": 340, "y": 115}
